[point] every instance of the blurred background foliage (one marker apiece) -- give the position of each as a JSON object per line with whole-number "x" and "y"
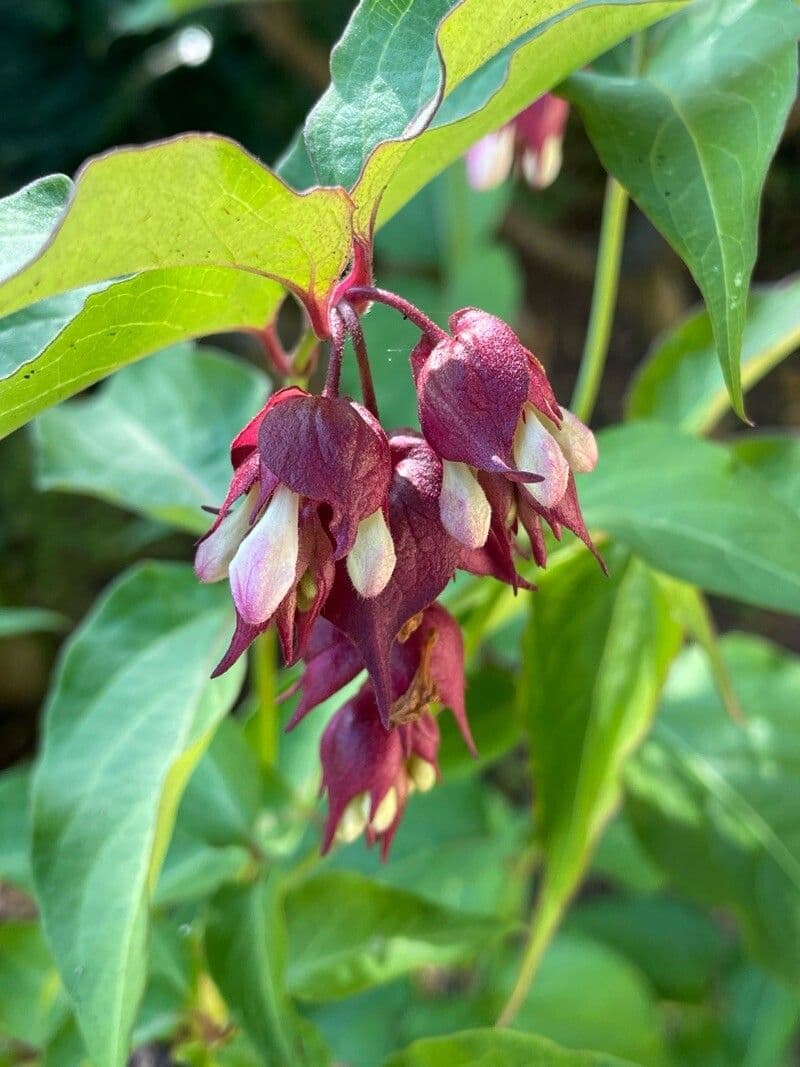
{"x": 677, "y": 985}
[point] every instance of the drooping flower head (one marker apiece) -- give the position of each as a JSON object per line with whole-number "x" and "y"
{"x": 368, "y": 770}
{"x": 533, "y": 140}
{"x": 508, "y": 450}
{"x": 311, "y": 478}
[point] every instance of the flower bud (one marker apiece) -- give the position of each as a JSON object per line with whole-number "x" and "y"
{"x": 463, "y": 506}
{"x": 541, "y": 167}
{"x": 385, "y": 813}
{"x": 537, "y": 451}
{"x": 576, "y": 441}
{"x": 421, "y": 773}
{"x": 489, "y": 161}
{"x": 263, "y": 570}
{"x": 371, "y": 560}
{"x": 353, "y": 821}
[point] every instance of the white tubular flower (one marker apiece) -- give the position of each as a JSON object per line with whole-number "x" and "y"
{"x": 538, "y": 452}
{"x": 385, "y": 813}
{"x": 215, "y": 552}
{"x": 263, "y": 570}
{"x": 354, "y": 820}
{"x": 371, "y": 560}
{"x": 490, "y": 160}
{"x": 463, "y": 507}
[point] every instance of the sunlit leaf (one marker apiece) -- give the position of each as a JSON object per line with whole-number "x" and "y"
{"x": 680, "y": 382}
{"x": 691, "y": 135}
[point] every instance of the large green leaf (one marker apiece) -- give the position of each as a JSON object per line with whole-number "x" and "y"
{"x": 246, "y": 949}
{"x": 129, "y": 715}
{"x": 155, "y": 438}
{"x": 716, "y": 804}
{"x": 587, "y": 698}
{"x": 674, "y": 943}
{"x": 622, "y": 1020}
{"x": 690, "y": 509}
{"x": 213, "y": 841}
{"x": 347, "y": 933}
{"x": 198, "y": 204}
{"x": 496, "y": 59}
{"x": 55, "y": 348}
{"x": 680, "y": 380}
{"x": 398, "y": 67}
{"x": 487, "y": 1048}
{"x": 691, "y": 136}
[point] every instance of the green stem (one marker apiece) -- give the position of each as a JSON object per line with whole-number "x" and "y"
{"x": 264, "y": 677}
{"x": 604, "y": 300}
{"x": 546, "y": 917}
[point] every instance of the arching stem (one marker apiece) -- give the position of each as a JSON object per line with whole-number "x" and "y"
{"x": 353, "y": 327}
{"x": 382, "y": 296}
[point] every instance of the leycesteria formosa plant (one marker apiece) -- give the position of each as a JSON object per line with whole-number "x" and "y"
{"x": 396, "y": 536}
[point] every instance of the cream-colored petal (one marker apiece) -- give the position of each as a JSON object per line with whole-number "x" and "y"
{"x": 371, "y": 560}
{"x": 537, "y": 452}
{"x": 463, "y": 507}
{"x": 263, "y": 570}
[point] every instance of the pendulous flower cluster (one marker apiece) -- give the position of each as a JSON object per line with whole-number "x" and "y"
{"x": 342, "y": 536}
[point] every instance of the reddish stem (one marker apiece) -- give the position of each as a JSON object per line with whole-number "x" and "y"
{"x": 275, "y": 350}
{"x": 407, "y": 310}
{"x": 353, "y": 327}
{"x": 336, "y": 326}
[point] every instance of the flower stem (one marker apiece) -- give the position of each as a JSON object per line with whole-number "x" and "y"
{"x": 275, "y": 351}
{"x": 264, "y": 677}
{"x": 353, "y": 327}
{"x": 604, "y": 299}
{"x": 335, "y": 357}
{"x": 407, "y": 310}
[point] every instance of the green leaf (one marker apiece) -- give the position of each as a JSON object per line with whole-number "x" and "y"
{"x": 674, "y": 943}
{"x": 692, "y": 511}
{"x": 213, "y": 841}
{"x": 155, "y": 438}
{"x": 347, "y": 933}
{"x": 141, "y": 16}
{"x": 246, "y": 949}
{"x": 600, "y": 682}
{"x": 476, "y": 1048}
{"x": 196, "y": 201}
{"x": 622, "y": 1020}
{"x": 715, "y": 804}
{"x": 129, "y": 715}
{"x": 15, "y": 832}
{"x": 26, "y": 219}
{"x": 17, "y": 621}
{"x": 395, "y": 70}
{"x": 63, "y": 344}
{"x": 691, "y": 137}
{"x": 32, "y": 1001}
{"x": 775, "y": 458}
{"x": 680, "y": 382}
